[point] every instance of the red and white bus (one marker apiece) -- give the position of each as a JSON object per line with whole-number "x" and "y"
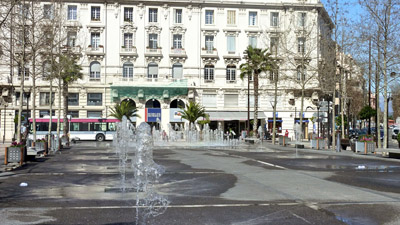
{"x": 80, "y": 128}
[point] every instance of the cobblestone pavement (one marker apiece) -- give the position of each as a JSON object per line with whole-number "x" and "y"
{"x": 246, "y": 185}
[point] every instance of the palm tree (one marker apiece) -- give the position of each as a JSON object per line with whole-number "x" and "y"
{"x": 124, "y": 108}
{"x": 193, "y": 111}
{"x": 258, "y": 61}
{"x": 70, "y": 73}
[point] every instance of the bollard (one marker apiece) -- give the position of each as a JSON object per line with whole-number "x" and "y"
{"x": 6, "y": 157}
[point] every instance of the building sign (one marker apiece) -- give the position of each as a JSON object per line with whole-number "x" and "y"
{"x": 152, "y": 115}
{"x": 177, "y": 115}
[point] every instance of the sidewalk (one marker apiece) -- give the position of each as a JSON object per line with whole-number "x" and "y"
{"x": 379, "y": 152}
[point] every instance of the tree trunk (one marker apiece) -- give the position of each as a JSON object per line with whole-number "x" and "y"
{"x": 274, "y": 107}
{"x": 21, "y": 96}
{"x": 59, "y": 112}
{"x": 301, "y": 111}
{"x": 65, "y": 111}
{"x": 51, "y": 114}
{"x": 255, "y": 122}
{"x": 377, "y": 84}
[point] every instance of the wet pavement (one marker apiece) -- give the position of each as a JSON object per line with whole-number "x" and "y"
{"x": 254, "y": 184}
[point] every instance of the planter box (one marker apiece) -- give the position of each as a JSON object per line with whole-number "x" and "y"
{"x": 365, "y": 147}
{"x": 283, "y": 140}
{"x": 318, "y": 143}
{"x": 15, "y": 154}
{"x": 39, "y": 145}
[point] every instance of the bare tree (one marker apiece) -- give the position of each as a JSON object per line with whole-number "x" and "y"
{"x": 386, "y": 15}
{"x": 298, "y": 50}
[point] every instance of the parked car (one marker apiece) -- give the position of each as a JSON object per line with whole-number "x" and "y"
{"x": 395, "y": 132}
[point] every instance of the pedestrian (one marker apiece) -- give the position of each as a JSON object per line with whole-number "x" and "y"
{"x": 286, "y": 133}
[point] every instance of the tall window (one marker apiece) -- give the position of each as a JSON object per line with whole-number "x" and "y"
{"x": 23, "y": 72}
{"x": 128, "y": 14}
{"x": 73, "y": 98}
{"x": 94, "y": 114}
{"x": 128, "y": 41}
{"x": 253, "y": 41}
{"x": 153, "y": 39}
{"x": 301, "y": 45}
{"x": 274, "y": 19}
{"x": 24, "y": 11}
{"x": 273, "y": 74}
{"x": 274, "y": 45}
{"x": 95, "y": 40}
{"x": 48, "y": 11}
{"x": 44, "y": 98}
{"x": 177, "y": 41}
{"x": 209, "y": 16}
{"x": 231, "y": 43}
{"x": 231, "y": 73}
{"x": 95, "y": 99}
{"x": 46, "y": 69}
{"x": 177, "y": 71}
{"x": 152, "y": 71}
{"x": 95, "y": 13}
{"x": 301, "y": 73}
{"x": 302, "y": 19}
{"x": 95, "y": 70}
{"x": 153, "y": 15}
{"x": 72, "y": 12}
{"x": 209, "y": 72}
{"x": 210, "y": 43}
{"x": 252, "y": 18}
{"x": 71, "y": 39}
{"x": 178, "y": 16}
{"x": 127, "y": 70}
{"x": 231, "y": 17}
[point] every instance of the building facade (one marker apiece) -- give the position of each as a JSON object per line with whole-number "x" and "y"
{"x": 161, "y": 54}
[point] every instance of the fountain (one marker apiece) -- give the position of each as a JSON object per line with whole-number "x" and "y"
{"x": 298, "y": 134}
{"x": 139, "y": 173}
{"x": 137, "y": 147}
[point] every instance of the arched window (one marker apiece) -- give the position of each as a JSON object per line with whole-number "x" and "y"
{"x": 177, "y": 103}
{"x": 127, "y": 70}
{"x": 152, "y": 70}
{"x": 153, "y": 103}
{"x": 209, "y": 72}
{"x": 231, "y": 73}
{"x": 46, "y": 69}
{"x": 177, "y": 71}
{"x": 301, "y": 73}
{"x": 95, "y": 70}
{"x": 130, "y": 101}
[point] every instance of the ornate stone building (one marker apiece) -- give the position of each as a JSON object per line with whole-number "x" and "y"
{"x": 161, "y": 54}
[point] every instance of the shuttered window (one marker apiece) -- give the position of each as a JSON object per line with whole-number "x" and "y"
{"x": 231, "y": 101}
{"x": 209, "y": 101}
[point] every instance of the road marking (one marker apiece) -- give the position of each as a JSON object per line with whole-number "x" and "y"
{"x": 181, "y": 206}
{"x": 270, "y": 164}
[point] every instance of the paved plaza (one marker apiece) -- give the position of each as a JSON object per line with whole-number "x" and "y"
{"x": 251, "y": 184}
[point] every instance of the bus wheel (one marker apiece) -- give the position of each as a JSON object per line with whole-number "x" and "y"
{"x": 100, "y": 137}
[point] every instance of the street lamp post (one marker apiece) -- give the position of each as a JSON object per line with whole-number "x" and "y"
{"x": 4, "y": 123}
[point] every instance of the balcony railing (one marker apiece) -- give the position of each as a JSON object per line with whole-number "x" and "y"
{"x": 129, "y": 49}
{"x": 212, "y": 52}
{"x": 152, "y": 79}
{"x": 153, "y": 50}
{"x": 178, "y": 51}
